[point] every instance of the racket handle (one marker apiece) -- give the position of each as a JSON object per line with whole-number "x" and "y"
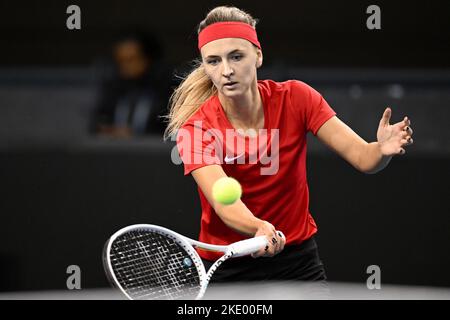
{"x": 248, "y": 246}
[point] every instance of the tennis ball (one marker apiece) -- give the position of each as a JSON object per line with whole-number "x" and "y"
{"x": 226, "y": 190}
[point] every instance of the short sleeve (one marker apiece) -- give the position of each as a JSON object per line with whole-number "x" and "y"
{"x": 313, "y": 108}
{"x": 197, "y": 146}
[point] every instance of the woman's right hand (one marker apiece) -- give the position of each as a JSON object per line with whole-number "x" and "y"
{"x": 275, "y": 239}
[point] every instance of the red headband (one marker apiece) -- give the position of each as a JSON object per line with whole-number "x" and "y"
{"x": 222, "y": 30}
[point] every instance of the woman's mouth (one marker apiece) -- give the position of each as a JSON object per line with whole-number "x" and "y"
{"x": 230, "y": 84}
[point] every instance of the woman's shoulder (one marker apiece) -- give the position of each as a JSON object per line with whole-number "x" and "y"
{"x": 288, "y": 86}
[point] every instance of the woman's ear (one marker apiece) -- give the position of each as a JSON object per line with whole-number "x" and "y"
{"x": 259, "y": 58}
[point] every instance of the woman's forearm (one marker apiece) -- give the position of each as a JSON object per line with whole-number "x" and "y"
{"x": 238, "y": 217}
{"x": 371, "y": 160}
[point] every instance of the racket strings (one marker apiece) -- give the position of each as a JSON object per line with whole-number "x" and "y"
{"x": 149, "y": 265}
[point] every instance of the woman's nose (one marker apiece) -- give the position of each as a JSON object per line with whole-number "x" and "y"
{"x": 227, "y": 71}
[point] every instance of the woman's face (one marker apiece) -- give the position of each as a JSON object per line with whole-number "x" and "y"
{"x": 231, "y": 65}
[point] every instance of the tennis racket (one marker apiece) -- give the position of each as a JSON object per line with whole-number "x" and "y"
{"x": 151, "y": 262}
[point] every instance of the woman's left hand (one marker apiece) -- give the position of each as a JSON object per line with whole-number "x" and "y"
{"x": 394, "y": 138}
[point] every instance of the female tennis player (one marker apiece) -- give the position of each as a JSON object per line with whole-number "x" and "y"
{"x": 222, "y": 95}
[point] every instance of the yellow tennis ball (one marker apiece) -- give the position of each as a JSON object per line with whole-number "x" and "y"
{"x": 226, "y": 190}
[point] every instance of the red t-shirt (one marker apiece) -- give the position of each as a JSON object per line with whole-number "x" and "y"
{"x": 270, "y": 169}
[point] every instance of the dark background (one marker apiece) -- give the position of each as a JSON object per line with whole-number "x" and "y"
{"x": 308, "y": 33}
{"x": 64, "y": 192}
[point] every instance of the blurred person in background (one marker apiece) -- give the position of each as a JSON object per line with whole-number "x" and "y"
{"x": 134, "y": 97}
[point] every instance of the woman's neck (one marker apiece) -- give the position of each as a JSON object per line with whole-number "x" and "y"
{"x": 246, "y": 111}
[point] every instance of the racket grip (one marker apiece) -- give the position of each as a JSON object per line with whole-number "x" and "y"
{"x": 248, "y": 246}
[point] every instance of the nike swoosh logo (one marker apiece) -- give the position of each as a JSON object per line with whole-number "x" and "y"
{"x": 227, "y": 159}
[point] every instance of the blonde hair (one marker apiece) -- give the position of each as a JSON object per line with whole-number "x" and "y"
{"x": 197, "y": 87}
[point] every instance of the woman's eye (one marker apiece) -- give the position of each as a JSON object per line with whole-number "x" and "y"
{"x": 213, "y": 62}
{"x": 236, "y": 57}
